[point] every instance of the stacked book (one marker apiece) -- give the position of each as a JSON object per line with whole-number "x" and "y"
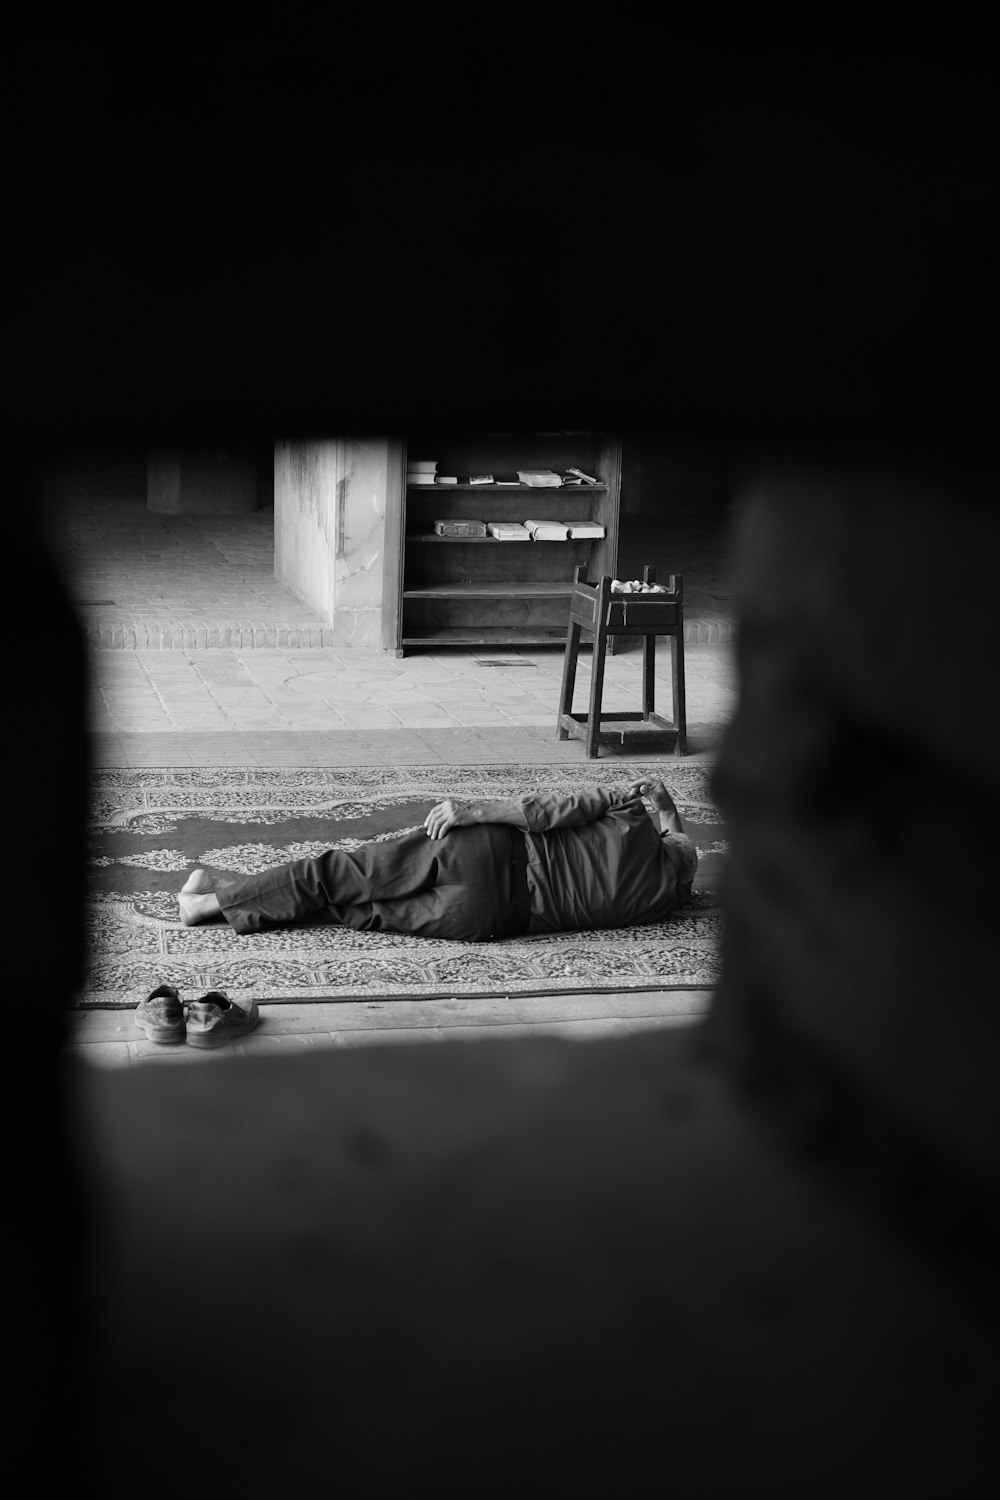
{"x": 508, "y": 531}
{"x": 561, "y": 531}
{"x": 421, "y": 470}
{"x": 456, "y": 527}
{"x": 424, "y": 471}
{"x": 547, "y": 531}
{"x": 546, "y": 479}
{"x": 549, "y": 479}
{"x": 543, "y": 531}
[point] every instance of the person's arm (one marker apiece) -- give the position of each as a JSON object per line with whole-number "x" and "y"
{"x": 539, "y": 812}
{"x": 656, "y": 794}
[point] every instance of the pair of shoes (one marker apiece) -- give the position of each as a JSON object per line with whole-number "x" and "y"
{"x": 207, "y": 1022}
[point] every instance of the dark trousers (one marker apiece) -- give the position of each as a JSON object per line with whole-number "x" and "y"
{"x": 470, "y": 886}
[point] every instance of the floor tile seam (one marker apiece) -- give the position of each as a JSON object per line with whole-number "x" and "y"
{"x": 235, "y": 739}
{"x": 105, "y": 698}
{"x": 194, "y": 684}
{"x": 251, "y": 672}
{"x": 280, "y": 664}
{"x": 132, "y": 744}
{"x": 122, "y": 724}
{"x": 258, "y": 692}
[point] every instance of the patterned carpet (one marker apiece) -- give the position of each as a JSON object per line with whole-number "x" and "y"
{"x": 149, "y": 828}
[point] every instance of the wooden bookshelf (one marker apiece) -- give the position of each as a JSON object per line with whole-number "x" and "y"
{"x": 463, "y": 591}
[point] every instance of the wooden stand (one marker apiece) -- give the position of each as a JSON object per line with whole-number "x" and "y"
{"x": 604, "y": 615}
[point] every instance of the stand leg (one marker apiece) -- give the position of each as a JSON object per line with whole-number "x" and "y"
{"x": 568, "y": 677}
{"x": 596, "y": 689}
{"x": 648, "y": 679}
{"x": 680, "y": 706}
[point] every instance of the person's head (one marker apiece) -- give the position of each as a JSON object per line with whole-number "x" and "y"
{"x": 684, "y": 857}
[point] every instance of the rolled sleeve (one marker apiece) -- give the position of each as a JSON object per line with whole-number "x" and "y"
{"x": 545, "y": 811}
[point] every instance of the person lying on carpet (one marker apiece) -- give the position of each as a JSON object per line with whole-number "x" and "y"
{"x": 479, "y": 870}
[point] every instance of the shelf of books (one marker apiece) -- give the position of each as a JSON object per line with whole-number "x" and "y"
{"x": 494, "y": 527}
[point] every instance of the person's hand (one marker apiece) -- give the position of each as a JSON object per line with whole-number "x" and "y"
{"x": 656, "y": 793}
{"x": 451, "y": 813}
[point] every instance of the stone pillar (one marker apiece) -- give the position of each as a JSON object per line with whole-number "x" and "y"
{"x": 209, "y": 481}
{"x": 860, "y": 781}
{"x": 330, "y": 505}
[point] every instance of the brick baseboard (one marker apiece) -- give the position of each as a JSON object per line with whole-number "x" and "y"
{"x": 170, "y": 637}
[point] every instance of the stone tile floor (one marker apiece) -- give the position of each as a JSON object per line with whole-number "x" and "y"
{"x": 301, "y": 705}
{"x": 309, "y": 707}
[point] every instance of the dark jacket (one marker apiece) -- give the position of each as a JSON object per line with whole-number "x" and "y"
{"x": 595, "y": 859}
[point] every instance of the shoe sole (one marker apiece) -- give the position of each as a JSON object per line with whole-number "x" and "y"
{"x": 218, "y": 1037}
{"x": 162, "y": 1035}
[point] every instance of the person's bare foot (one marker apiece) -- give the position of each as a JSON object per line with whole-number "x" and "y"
{"x": 197, "y": 899}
